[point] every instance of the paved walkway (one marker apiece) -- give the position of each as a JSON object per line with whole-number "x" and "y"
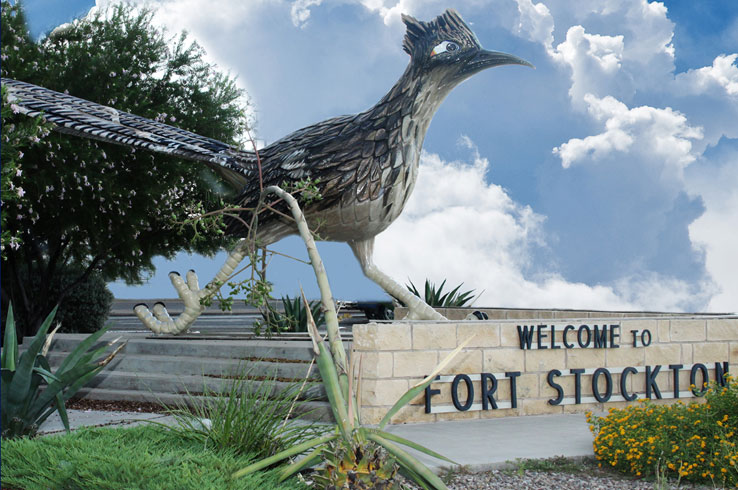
{"x": 477, "y": 444}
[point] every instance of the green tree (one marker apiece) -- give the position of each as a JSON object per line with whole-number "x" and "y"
{"x": 102, "y": 208}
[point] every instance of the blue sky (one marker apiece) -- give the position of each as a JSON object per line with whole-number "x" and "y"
{"x": 605, "y": 178}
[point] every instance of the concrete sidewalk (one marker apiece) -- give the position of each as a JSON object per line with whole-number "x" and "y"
{"x": 477, "y": 444}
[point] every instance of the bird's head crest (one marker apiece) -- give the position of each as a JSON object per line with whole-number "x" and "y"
{"x": 421, "y": 37}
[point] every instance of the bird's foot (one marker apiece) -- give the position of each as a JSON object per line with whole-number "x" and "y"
{"x": 158, "y": 319}
{"x": 421, "y": 311}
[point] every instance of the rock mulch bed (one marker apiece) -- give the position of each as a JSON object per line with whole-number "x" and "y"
{"x": 114, "y": 406}
{"x": 539, "y": 480}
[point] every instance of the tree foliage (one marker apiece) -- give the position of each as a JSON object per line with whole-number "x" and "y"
{"x": 98, "y": 206}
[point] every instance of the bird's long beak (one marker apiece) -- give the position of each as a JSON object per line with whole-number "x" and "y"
{"x": 487, "y": 59}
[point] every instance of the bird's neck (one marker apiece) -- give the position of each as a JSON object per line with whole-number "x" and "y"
{"x": 417, "y": 95}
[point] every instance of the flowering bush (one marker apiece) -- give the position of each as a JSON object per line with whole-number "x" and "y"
{"x": 99, "y": 207}
{"x": 694, "y": 441}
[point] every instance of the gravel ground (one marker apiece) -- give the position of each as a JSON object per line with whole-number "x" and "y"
{"x": 535, "y": 480}
{"x": 113, "y": 406}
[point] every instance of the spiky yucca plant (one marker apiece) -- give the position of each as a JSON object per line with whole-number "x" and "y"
{"x": 435, "y": 296}
{"x": 352, "y": 455}
{"x": 359, "y": 467}
{"x": 31, "y": 392}
{"x": 294, "y": 318}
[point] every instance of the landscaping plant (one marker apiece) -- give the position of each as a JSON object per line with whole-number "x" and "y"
{"x": 352, "y": 455}
{"x": 693, "y": 442}
{"x": 96, "y": 206}
{"x": 141, "y": 457}
{"x": 25, "y": 405}
{"x": 84, "y": 312}
{"x": 294, "y": 318}
{"x": 249, "y": 417}
{"x": 436, "y": 297}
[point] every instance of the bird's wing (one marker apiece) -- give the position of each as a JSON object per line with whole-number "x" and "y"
{"x": 332, "y": 152}
{"x": 90, "y": 120}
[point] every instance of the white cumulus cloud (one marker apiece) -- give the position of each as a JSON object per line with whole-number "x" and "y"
{"x": 720, "y": 78}
{"x": 662, "y": 136}
{"x": 459, "y": 227}
{"x": 536, "y": 22}
{"x": 714, "y": 232}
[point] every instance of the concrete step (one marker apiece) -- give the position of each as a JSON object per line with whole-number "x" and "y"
{"x": 229, "y": 349}
{"x": 311, "y": 410}
{"x": 186, "y": 365}
{"x": 182, "y": 384}
{"x": 166, "y": 369}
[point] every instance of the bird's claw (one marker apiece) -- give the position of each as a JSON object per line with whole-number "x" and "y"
{"x": 158, "y": 319}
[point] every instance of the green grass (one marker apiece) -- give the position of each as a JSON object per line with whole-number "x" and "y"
{"x": 143, "y": 457}
{"x": 556, "y": 464}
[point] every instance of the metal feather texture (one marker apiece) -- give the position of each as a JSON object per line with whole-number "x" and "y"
{"x": 421, "y": 35}
{"x": 81, "y": 117}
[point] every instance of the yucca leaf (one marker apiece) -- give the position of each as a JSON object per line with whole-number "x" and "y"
{"x": 74, "y": 357}
{"x": 413, "y": 477}
{"x": 449, "y": 299}
{"x": 62, "y": 409}
{"x": 5, "y": 380}
{"x": 332, "y": 386}
{"x": 80, "y": 382}
{"x": 407, "y": 460}
{"x": 44, "y": 369}
{"x": 10, "y": 343}
{"x": 434, "y": 296}
{"x": 299, "y": 448}
{"x": 306, "y": 461}
{"x": 49, "y": 338}
{"x": 415, "y": 390}
{"x": 408, "y": 443}
{"x": 358, "y": 391}
{"x": 65, "y": 379}
{"x": 21, "y": 383}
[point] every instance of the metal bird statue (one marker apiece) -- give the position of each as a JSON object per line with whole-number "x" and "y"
{"x": 365, "y": 164}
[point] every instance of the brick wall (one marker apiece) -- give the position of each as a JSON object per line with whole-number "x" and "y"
{"x": 395, "y": 356}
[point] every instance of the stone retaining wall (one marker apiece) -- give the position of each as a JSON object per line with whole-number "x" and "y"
{"x": 395, "y": 356}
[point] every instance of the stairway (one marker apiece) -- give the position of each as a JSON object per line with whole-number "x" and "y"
{"x": 172, "y": 370}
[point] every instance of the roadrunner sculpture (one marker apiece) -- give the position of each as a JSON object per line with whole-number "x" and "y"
{"x": 365, "y": 164}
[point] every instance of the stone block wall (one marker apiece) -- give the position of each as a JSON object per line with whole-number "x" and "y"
{"x": 679, "y": 350}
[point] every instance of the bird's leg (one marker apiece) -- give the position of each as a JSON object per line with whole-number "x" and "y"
{"x": 419, "y": 310}
{"x": 158, "y": 320}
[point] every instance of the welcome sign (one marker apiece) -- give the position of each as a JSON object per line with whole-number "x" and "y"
{"x": 601, "y": 386}
{"x": 532, "y": 367}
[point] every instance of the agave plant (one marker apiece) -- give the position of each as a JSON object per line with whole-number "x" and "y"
{"x": 436, "y": 297}
{"x": 351, "y": 456}
{"x": 25, "y": 405}
{"x": 294, "y": 318}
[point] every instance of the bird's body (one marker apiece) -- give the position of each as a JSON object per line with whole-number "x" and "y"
{"x": 364, "y": 165}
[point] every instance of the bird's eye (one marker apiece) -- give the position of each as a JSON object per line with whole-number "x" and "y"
{"x": 445, "y": 47}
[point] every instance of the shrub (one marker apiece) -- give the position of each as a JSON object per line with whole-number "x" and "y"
{"x": 248, "y": 417}
{"x": 293, "y": 319}
{"x": 24, "y": 404}
{"x": 84, "y": 310}
{"x": 435, "y": 296}
{"x": 87, "y": 309}
{"x": 694, "y": 441}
